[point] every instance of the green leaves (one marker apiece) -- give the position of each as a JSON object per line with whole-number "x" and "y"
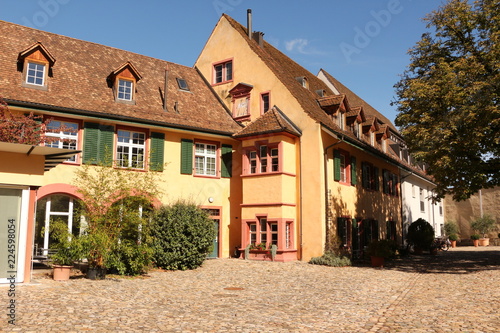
{"x": 183, "y": 236}
{"x": 448, "y": 98}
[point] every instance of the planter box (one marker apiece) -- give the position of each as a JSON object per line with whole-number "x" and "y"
{"x": 484, "y": 241}
{"x": 61, "y": 273}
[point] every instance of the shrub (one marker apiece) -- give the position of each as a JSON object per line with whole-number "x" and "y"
{"x": 331, "y": 259}
{"x": 130, "y": 258}
{"x": 183, "y": 235}
{"x": 453, "y": 237}
{"x": 483, "y": 225}
{"x": 420, "y": 234}
{"x": 382, "y": 248}
{"x": 450, "y": 228}
{"x": 475, "y": 236}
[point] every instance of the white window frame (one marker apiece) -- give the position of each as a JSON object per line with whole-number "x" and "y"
{"x": 64, "y": 137}
{"x": 204, "y": 158}
{"x": 36, "y": 70}
{"x": 123, "y": 90}
{"x": 136, "y": 144}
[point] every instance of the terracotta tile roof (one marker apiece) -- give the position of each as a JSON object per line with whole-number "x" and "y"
{"x": 287, "y": 70}
{"x": 356, "y": 100}
{"x": 78, "y": 83}
{"x": 273, "y": 121}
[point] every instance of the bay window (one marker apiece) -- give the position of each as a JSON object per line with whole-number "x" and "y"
{"x": 263, "y": 159}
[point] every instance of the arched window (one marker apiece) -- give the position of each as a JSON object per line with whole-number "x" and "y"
{"x": 51, "y": 208}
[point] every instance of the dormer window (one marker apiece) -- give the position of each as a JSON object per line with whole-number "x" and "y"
{"x": 36, "y": 63}
{"x": 36, "y": 74}
{"x": 303, "y": 81}
{"x": 123, "y": 81}
{"x": 125, "y": 88}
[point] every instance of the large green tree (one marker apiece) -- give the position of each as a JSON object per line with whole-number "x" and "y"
{"x": 448, "y": 97}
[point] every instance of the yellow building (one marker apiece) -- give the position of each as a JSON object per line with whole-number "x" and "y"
{"x": 281, "y": 158}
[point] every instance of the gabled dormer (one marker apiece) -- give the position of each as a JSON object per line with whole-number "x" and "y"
{"x": 354, "y": 118}
{"x": 123, "y": 81}
{"x": 36, "y": 64}
{"x": 337, "y": 106}
{"x": 369, "y": 127}
{"x": 381, "y": 136}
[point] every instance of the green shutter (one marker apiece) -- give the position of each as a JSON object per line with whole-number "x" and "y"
{"x": 186, "y": 156}
{"x": 227, "y": 161}
{"x": 354, "y": 175}
{"x": 98, "y": 143}
{"x": 336, "y": 165}
{"x": 156, "y": 156}
{"x": 385, "y": 180}
{"x": 105, "y": 153}
{"x": 376, "y": 180}
{"x": 364, "y": 174}
{"x": 90, "y": 142}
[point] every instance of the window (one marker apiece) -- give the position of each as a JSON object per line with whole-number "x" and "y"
{"x": 422, "y": 202}
{"x": 125, "y": 89}
{"x": 344, "y": 167}
{"x": 49, "y": 209}
{"x": 391, "y": 230}
{"x": 341, "y": 120}
{"x": 182, "y": 84}
{"x": 265, "y": 102}
{"x": 35, "y": 74}
{"x": 266, "y": 233}
{"x": 263, "y": 159}
{"x": 205, "y": 157}
{"x": 223, "y": 72}
{"x": 288, "y": 235}
{"x": 390, "y": 183}
{"x": 370, "y": 176}
{"x": 67, "y": 134}
{"x": 130, "y": 149}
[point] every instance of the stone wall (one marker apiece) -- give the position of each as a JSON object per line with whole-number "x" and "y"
{"x": 464, "y": 212}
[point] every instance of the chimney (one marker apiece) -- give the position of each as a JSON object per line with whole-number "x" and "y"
{"x": 249, "y": 23}
{"x": 258, "y": 36}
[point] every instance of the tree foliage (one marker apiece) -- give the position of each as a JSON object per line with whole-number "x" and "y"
{"x": 183, "y": 236}
{"x": 448, "y": 97}
{"x": 21, "y": 128}
{"x": 115, "y": 202}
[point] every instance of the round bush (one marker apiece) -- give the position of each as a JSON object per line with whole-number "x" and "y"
{"x": 420, "y": 234}
{"x": 183, "y": 235}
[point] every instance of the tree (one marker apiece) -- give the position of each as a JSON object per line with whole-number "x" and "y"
{"x": 21, "y": 128}
{"x": 114, "y": 205}
{"x": 448, "y": 97}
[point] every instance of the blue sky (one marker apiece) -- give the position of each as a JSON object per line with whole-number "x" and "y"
{"x": 362, "y": 43}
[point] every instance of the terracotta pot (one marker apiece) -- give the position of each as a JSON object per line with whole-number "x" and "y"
{"x": 484, "y": 241}
{"x": 453, "y": 244}
{"x": 377, "y": 261}
{"x": 476, "y": 242}
{"x": 61, "y": 273}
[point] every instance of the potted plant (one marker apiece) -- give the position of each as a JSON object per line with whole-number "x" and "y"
{"x": 475, "y": 239}
{"x": 420, "y": 235}
{"x": 379, "y": 250}
{"x": 68, "y": 249}
{"x": 483, "y": 225}
{"x": 453, "y": 240}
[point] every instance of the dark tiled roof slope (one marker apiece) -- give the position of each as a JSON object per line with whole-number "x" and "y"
{"x": 79, "y": 82}
{"x": 358, "y": 101}
{"x": 273, "y": 121}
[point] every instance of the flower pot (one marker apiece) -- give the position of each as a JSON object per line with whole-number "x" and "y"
{"x": 453, "y": 244}
{"x": 476, "y": 242}
{"x": 96, "y": 273}
{"x": 377, "y": 261}
{"x": 484, "y": 241}
{"x": 61, "y": 273}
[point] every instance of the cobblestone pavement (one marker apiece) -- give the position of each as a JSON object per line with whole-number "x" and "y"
{"x": 455, "y": 291}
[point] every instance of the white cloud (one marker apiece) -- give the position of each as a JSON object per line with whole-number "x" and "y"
{"x": 300, "y": 45}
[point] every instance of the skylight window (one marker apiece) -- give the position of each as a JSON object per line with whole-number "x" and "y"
{"x": 182, "y": 84}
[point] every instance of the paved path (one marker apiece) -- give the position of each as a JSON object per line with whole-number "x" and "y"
{"x": 455, "y": 291}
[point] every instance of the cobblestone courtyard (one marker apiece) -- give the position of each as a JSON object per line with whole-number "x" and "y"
{"x": 455, "y": 291}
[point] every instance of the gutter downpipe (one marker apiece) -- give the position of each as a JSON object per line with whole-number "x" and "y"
{"x": 325, "y": 166}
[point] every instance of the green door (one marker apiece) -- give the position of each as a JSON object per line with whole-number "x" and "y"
{"x": 215, "y": 250}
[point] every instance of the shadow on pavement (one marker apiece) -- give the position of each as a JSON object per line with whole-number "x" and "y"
{"x": 454, "y": 261}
